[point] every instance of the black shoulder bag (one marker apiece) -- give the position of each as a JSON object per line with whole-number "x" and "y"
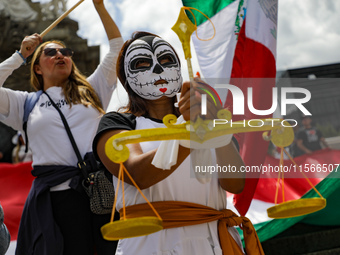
{"x": 96, "y": 185}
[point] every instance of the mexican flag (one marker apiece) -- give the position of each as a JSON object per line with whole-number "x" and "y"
{"x": 242, "y": 53}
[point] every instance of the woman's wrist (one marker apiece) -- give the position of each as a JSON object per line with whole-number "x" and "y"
{"x": 23, "y": 58}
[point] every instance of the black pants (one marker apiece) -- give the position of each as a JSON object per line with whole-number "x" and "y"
{"x": 79, "y": 226}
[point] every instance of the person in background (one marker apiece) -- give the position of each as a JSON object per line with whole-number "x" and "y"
{"x": 309, "y": 138}
{"x": 291, "y": 149}
{"x": 18, "y": 153}
{"x": 5, "y": 237}
{"x": 57, "y": 218}
{"x": 149, "y": 70}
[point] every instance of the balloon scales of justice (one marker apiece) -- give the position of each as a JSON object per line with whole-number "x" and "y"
{"x": 201, "y": 131}
{"x": 296, "y": 207}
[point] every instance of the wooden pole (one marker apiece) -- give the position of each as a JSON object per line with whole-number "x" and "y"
{"x": 56, "y": 22}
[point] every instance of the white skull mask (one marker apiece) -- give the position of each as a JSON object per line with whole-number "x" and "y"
{"x": 152, "y": 68}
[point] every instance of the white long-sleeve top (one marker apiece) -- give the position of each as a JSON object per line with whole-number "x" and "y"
{"x": 48, "y": 140}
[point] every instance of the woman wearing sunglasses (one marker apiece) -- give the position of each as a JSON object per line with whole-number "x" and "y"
{"x": 57, "y": 217}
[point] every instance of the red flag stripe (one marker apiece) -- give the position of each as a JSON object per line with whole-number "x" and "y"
{"x": 256, "y": 61}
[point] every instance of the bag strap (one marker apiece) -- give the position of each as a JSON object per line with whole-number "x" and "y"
{"x": 81, "y": 162}
{"x": 31, "y": 99}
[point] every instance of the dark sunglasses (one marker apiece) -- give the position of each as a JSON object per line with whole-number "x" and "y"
{"x": 53, "y": 51}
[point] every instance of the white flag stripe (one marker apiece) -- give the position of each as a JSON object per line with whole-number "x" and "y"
{"x": 216, "y": 56}
{"x": 260, "y": 23}
{"x": 257, "y": 212}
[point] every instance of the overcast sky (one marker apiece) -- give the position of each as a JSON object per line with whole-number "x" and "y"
{"x": 308, "y": 30}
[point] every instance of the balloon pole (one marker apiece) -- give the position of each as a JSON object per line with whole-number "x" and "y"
{"x": 184, "y": 29}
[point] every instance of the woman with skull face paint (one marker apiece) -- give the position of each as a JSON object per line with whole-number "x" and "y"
{"x": 149, "y": 70}
{"x": 57, "y": 218}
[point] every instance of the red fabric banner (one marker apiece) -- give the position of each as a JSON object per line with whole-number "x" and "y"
{"x": 315, "y": 166}
{"x": 15, "y": 183}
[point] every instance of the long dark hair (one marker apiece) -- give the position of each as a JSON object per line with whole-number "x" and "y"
{"x": 136, "y": 105}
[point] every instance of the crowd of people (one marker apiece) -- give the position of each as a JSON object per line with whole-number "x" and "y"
{"x": 57, "y": 218}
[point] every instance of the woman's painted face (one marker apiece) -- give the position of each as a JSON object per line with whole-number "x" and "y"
{"x": 152, "y": 68}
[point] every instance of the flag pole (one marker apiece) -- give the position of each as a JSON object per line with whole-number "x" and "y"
{"x": 57, "y": 21}
{"x": 191, "y": 73}
{"x": 184, "y": 29}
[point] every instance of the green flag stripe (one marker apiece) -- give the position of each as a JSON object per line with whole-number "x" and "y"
{"x": 330, "y": 189}
{"x": 208, "y": 7}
